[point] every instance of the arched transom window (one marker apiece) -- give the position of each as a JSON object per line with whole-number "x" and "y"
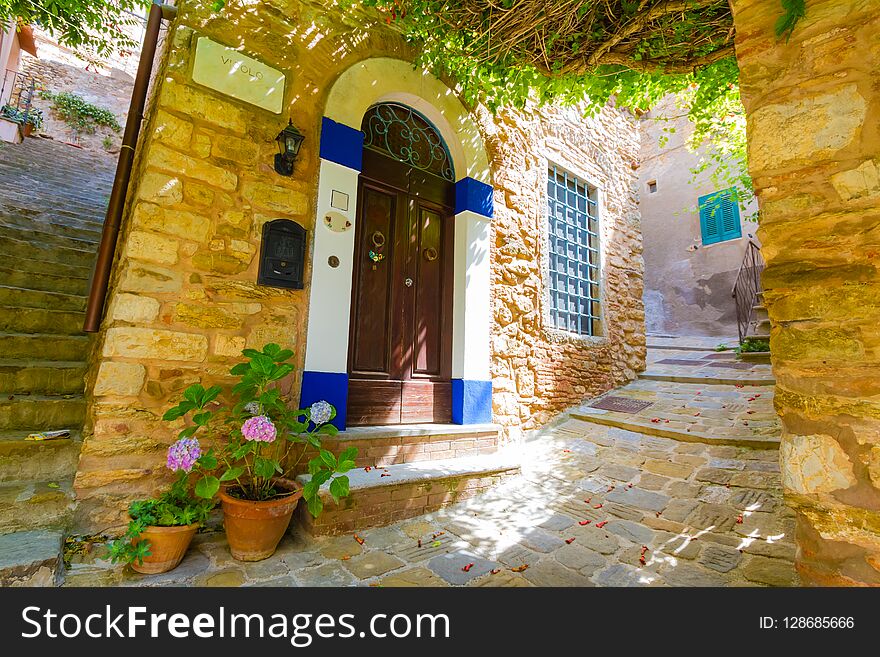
{"x": 405, "y": 135}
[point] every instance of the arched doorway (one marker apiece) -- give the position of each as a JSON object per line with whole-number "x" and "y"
{"x": 400, "y": 335}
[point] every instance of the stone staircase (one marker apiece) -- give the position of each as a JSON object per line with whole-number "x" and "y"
{"x": 52, "y": 203}
{"x": 759, "y": 327}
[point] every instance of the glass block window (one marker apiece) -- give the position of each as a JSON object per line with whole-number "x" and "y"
{"x": 573, "y": 229}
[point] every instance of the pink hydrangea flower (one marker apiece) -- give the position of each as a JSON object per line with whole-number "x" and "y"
{"x": 183, "y": 454}
{"x": 259, "y": 428}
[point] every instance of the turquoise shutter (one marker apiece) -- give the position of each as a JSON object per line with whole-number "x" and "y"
{"x": 709, "y": 220}
{"x": 719, "y": 217}
{"x": 730, "y": 225}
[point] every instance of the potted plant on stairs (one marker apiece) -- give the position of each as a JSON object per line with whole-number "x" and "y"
{"x": 256, "y": 441}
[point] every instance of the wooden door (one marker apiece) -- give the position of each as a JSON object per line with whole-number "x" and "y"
{"x": 400, "y": 340}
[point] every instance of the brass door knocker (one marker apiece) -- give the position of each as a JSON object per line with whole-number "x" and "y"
{"x": 378, "y": 240}
{"x": 430, "y": 254}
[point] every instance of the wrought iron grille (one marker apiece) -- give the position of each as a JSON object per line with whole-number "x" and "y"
{"x": 405, "y": 135}
{"x": 573, "y": 231}
{"x": 17, "y": 95}
{"x": 748, "y": 287}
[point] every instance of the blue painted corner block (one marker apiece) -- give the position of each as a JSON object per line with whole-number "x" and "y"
{"x": 331, "y": 387}
{"x": 471, "y": 401}
{"x": 473, "y": 195}
{"x": 341, "y": 144}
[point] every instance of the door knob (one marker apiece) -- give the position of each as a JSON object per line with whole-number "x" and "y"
{"x": 408, "y": 282}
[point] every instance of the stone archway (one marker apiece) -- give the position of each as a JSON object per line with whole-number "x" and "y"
{"x": 358, "y": 88}
{"x": 813, "y": 110}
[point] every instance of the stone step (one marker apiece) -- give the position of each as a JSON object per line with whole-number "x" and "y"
{"x": 43, "y": 281}
{"x": 38, "y": 412}
{"x": 643, "y": 424}
{"x": 758, "y": 335}
{"x": 41, "y": 268}
{"x": 29, "y": 460}
{"x": 31, "y": 558}
{"x": 709, "y": 379}
{"x": 35, "y": 505}
{"x": 761, "y": 326}
{"x": 760, "y": 312}
{"x": 411, "y": 443}
{"x": 41, "y": 377}
{"x": 29, "y": 298}
{"x": 42, "y": 346}
{"x": 80, "y": 205}
{"x": 755, "y": 357}
{"x": 385, "y": 495}
{"x": 84, "y": 229}
{"x": 19, "y": 249}
{"x": 38, "y": 233}
{"x": 39, "y": 320}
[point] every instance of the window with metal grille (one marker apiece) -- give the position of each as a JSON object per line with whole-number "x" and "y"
{"x": 719, "y": 216}
{"x": 573, "y": 231}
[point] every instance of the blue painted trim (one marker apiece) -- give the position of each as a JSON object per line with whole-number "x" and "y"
{"x": 471, "y": 401}
{"x": 327, "y": 386}
{"x": 341, "y": 144}
{"x": 473, "y": 195}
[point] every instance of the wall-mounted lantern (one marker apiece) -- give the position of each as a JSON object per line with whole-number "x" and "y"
{"x": 289, "y": 142}
{"x": 282, "y": 254}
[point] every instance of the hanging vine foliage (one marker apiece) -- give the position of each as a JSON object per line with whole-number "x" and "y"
{"x": 508, "y": 52}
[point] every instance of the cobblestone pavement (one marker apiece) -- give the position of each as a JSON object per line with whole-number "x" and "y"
{"x": 595, "y": 505}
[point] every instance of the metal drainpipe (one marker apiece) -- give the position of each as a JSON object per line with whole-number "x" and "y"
{"x": 113, "y": 219}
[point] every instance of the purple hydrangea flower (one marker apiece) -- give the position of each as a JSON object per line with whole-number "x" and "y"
{"x": 321, "y": 412}
{"x": 258, "y": 428}
{"x": 183, "y": 454}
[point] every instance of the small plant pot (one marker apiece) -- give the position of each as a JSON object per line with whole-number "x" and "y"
{"x": 168, "y": 545}
{"x": 27, "y": 129}
{"x": 253, "y": 528}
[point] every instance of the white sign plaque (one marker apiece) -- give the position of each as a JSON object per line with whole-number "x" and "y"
{"x": 230, "y": 72}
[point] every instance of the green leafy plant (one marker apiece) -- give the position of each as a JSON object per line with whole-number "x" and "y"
{"x": 107, "y": 143}
{"x": 80, "y": 114}
{"x": 258, "y": 438}
{"x": 753, "y": 345}
{"x": 174, "y": 508}
{"x": 722, "y": 347}
{"x": 20, "y": 116}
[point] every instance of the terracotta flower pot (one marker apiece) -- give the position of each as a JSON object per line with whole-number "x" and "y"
{"x": 167, "y": 547}
{"x": 27, "y": 129}
{"x": 254, "y": 529}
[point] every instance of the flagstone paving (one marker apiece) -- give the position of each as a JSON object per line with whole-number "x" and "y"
{"x": 595, "y": 505}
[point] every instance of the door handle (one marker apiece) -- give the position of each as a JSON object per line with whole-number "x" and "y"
{"x": 408, "y": 282}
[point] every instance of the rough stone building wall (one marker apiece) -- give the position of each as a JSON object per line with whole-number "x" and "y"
{"x": 687, "y": 284}
{"x": 183, "y": 299}
{"x": 814, "y": 137}
{"x": 538, "y": 371}
{"x": 58, "y": 69}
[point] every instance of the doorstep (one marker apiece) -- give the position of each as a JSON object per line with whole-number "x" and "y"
{"x": 380, "y": 496}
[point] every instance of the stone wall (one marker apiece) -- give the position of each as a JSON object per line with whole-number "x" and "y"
{"x": 183, "y": 299}
{"x": 59, "y": 69}
{"x": 687, "y": 284}
{"x": 814, "y": 135}
{"x": 538, "y": 371}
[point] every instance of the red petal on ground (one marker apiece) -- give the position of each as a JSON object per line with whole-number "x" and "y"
{"x": 570, "y": 540}
{"x": 467, "y": 568}
{"x": 597, "y": 506}
{"x": 520, "y": 569}
{"x": 584, "y": 523}
{"x": 359, "y": 539}
{"x": 600, "y": 525}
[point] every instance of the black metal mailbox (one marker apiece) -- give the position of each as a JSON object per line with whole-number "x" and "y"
{"x": 282, "y": 254}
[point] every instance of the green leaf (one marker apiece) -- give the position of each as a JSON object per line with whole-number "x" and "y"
{"x": 251, "y": 353}
{"x": 194, "y": 393}
{"x": 207, "y": 487}
{"x": 210, "y": 394}
{"x": 207, "y": 461}
{"x": 271, "y": 349}
{"x": 264, "y": 468}
{"x": 240, "y": 369}
{"x": 283, "y": 355}
{"x": 348, "y": 454}
{"x": 281, "y": 371}
{"x": 345, "y": 466}
{"x": 310, "y": 490}
{"x": 187, "y": 432}
{"x": 232, "y": 473}
{"x": 315, "y": 465}
{"x": 327, "y": 430}
{"x": 315, "y": 506}
{"x": 339, "y": 488}
{"x": 202, "y": 419}
{"x": 321, "y": 477}
{"x": 328, "y": 459}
